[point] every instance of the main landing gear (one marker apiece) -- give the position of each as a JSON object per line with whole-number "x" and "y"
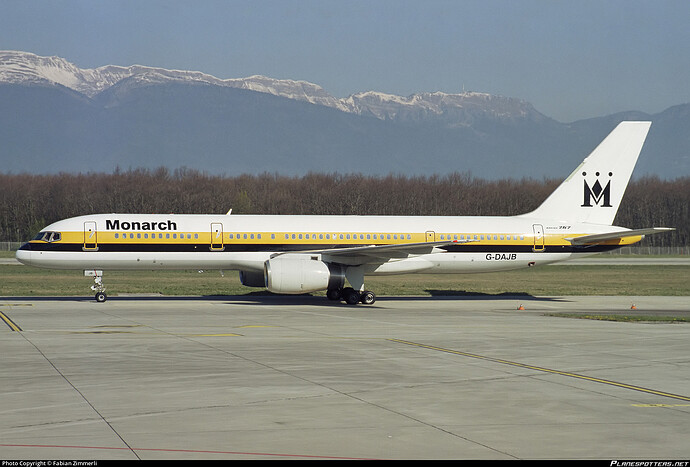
{"x": 351, "y": 296}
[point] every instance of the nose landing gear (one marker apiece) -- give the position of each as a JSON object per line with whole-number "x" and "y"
{"x": 97, "y": 286}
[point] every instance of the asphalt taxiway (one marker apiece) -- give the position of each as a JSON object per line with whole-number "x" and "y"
{"x": 304, "y": 378}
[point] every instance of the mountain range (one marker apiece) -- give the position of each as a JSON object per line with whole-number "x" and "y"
{"x": 57, "y": 117}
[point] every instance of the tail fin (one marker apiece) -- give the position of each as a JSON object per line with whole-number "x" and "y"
{"x": 593, "y": 192}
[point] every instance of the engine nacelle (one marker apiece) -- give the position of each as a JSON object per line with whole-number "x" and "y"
{"x": 252, "y": 278}
{"x": 296, "y": 274}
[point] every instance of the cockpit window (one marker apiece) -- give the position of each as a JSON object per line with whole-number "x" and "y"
{"x": 48, "y": 236}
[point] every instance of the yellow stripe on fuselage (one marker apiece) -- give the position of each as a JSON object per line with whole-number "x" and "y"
{"x": 329, "y": 238}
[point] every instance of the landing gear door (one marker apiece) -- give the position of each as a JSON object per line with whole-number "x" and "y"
{"x": 90, "y": 236}
{"x": 217, "y": 237}
{"x": 538, "y": 230}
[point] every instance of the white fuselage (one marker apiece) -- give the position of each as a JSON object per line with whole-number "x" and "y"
{"x": 246, "y": 242}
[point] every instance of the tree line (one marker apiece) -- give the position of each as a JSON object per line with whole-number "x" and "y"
{"x": 30, "y": 202}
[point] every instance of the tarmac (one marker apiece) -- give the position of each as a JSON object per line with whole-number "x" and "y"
{"x": 270, "y": 377}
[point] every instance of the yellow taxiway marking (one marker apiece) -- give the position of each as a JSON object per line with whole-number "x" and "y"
{"x": 9, "y": 322}
{"x": 547, "y": 370}
{"x": 661, "y": 405}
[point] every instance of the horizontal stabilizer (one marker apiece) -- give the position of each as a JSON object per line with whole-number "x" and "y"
{"x": 605, "y": 237}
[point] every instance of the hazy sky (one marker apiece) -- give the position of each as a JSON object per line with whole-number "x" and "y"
{"x": 572, "y": 59}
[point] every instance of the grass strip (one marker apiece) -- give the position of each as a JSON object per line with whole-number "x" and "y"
{"x": 633, "y": 280}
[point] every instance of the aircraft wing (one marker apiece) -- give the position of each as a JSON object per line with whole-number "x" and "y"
{"x": 606, "y": 237}
{"x": 378, "y": 253}
{"x": 390, "y": 251}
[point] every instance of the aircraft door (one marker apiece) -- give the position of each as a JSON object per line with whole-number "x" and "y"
{"x": 216, "y": 236}
{"x": 430, "y": 236}
{"x": 90, "y": 236}
{"x": 538, "y": 230}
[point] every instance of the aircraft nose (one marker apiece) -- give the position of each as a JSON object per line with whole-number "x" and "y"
{"x": 23, "y": 256}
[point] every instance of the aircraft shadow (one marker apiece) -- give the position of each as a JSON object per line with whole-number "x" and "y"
{"x": 267, "y": 298}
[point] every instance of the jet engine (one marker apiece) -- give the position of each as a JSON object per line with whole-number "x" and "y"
{"x": 252, "y": 278}
{"x": 296, "y": 274}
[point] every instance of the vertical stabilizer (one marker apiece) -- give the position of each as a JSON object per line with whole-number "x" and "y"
{"x": 593, "y": 192}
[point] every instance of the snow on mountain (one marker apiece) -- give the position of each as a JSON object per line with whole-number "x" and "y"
{"x": 462, "y": 109}
{"x": 27, "y": 68}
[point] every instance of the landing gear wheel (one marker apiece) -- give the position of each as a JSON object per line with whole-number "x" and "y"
{"x": 99, "y": 288}
{"x": 351, "y": 296}
{"x": 368, "y": 297}
{"x": 334, "y": 294}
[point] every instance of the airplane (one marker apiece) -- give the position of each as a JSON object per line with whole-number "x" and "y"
{"x": 300, "y": 254}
